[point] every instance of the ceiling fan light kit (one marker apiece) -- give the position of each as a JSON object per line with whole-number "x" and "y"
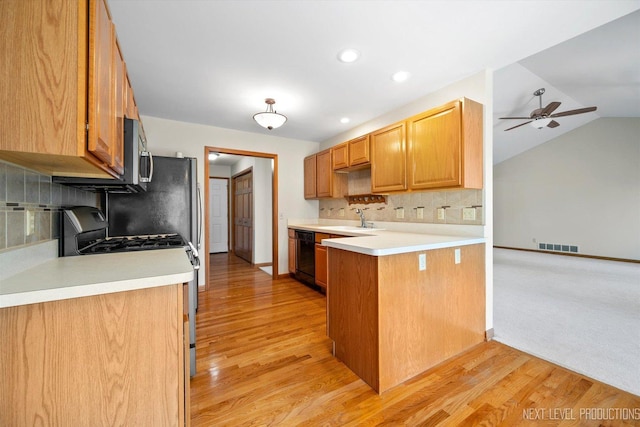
{"x": 543, "y": 117}
{"x": 270, "y": 119}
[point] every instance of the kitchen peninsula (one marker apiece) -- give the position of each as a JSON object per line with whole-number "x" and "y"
{"x": 96, "y": 340}
{"x": 399, "y": 303}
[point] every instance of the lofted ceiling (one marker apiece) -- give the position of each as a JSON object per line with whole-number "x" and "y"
{"x": 214, "y": 62}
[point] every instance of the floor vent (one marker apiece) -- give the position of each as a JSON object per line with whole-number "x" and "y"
{"x": 558, "y": 247}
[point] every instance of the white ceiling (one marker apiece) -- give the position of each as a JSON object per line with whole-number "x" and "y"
{"x": 214, "y": 62}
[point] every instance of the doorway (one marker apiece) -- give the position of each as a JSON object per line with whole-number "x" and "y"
{"x": 272, "y": 205}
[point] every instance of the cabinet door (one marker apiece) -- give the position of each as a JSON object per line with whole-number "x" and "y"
{"x": 292, "y": 255}
{"x": 359, "y": 151}
{"x": 101, "y": 102}
{"x": 310, "y": 177}
{"x": 119, "y": 96}
{"x": 322, "y": 271}
{"x": 435, "y": 146}
{"x": 388, "y": 159}
{"x": 341, "y": 156}
{"x": 324, "y": 174}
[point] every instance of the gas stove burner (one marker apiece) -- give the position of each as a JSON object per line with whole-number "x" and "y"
{"x": 135, "y": 243}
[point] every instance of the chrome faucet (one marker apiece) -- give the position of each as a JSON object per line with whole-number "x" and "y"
{"x": 363, "y": 223}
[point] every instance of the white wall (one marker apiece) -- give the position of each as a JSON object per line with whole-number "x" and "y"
{"x": 582, "y": 188}
{"x": 165, "y": 137}
{"x": 478, "y": 87}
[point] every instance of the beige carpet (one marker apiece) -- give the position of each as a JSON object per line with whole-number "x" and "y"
{"x": 580, "y": 313}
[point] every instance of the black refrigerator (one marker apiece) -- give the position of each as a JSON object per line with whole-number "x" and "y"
{"x": 170, "y": 205}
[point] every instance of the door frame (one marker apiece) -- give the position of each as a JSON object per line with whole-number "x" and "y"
{"x": 274, "y": 204}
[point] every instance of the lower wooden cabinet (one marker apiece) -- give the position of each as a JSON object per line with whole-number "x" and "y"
{"x": 105, "y": 360}
{"x": 391, "y": 321}
{"x": 292, "y": 251}
{"x": 321, "y": 266}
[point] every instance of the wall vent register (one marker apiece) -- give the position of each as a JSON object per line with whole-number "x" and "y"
{"x": 558, "y": 247}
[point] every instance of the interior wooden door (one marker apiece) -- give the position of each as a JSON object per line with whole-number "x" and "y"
{"x": 243, "y": 216}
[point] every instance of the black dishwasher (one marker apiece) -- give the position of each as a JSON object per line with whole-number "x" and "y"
{"x": 305, "y": 256}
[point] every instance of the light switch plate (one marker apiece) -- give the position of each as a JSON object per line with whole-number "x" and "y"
{"x": 422, "y": 262}
{"x": 456, "y": 255}
{"x": 400, "y": 213}
{"x": 420, "y": 213}
{"x": 440, "y": 213}
{"x": 341, "y": 212}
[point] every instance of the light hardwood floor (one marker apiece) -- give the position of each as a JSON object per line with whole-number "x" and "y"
{"x": 264, "y": 358}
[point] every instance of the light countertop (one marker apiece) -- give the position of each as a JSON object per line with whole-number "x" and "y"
{"x": 88, "y": 275}
{"x": 381, "y": 242}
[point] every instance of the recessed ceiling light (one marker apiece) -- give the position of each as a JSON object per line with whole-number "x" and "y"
{"x": 401, "y": 76}
{"x": 348, "y": 55}
{"x": 345, "y": 120}
{"x": 213, "y": 155}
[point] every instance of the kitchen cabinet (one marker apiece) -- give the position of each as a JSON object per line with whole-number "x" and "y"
{"x": 352, "y": 155}
{"x": 391, "y": 321}
{"x": 445, "y": 147}
{"x": 321, "y": 261}
{"x": 104, "y": 360}
{"x": 310, "y": 177}
{"x": 63, "y": 74}
{"x": 389, "y": 159}
{"x": 320, "y": 181}
{"x": 292, "y": 251}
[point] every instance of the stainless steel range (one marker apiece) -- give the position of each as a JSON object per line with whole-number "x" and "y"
{"x": 84, "y": 231}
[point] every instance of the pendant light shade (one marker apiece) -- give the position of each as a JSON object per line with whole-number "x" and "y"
{"x": 270, "y": 119}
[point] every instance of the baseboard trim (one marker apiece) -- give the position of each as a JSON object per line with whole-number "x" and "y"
{"x": 264, "y": 264}
{"x": 488, "y": 334}
{"x": 605, "y": 258}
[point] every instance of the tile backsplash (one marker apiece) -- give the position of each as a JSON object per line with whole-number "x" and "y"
{"x": 25, "y": 195}
{"x": 409, "y": 204}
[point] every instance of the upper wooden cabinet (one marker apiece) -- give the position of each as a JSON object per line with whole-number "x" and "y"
{"x": 310, "y": 177}
{"x": 319, "y": 179}
{"x": 352, "y": 155}
{"x": 63, "y": 74}
{"x": 445, "y": 147}
{"x": 388, "y": 159}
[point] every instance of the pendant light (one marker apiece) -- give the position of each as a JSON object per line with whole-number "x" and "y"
{"x": 270, "y": 119}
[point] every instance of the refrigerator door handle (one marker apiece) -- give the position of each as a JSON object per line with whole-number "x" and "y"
{"x": 199, "y": 209}
{"x": 196, "y": 257}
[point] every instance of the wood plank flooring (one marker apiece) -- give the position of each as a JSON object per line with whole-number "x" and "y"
{"x": 264, "y": 359}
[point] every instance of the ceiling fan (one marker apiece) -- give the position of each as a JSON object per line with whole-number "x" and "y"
{"x": 541, "y": 117}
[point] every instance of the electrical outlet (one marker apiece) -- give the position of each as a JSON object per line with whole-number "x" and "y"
{"x": 469, "y": 214}
{"x": 30, "y": 223}
{"x": 456, "y": 256}
{"x": 441, "y": 213}
{"x": 400, "y": 213}
{"x": 420, "y": 213}
{"x": 341, "y": 212}
{"x": 422, "y": 262}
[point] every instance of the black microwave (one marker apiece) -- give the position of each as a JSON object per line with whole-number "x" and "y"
{"x": 138, "y": 167}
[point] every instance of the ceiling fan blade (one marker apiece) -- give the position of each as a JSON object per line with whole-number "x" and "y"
{"x": 517, "y": 126}
{"x": 518, "y": 118}
{"x": 553, "y": 124}
{"x": 572, "y": 112}
{"x": 550, "y": 108}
